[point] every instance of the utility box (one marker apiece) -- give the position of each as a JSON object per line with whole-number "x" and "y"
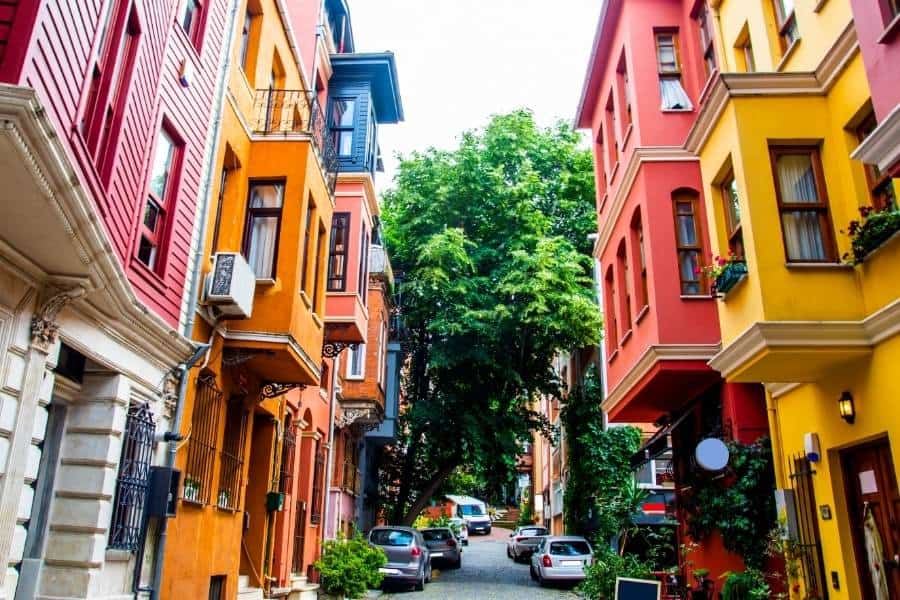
{"x": 274, "y": 501}
{"x": 163, "y": 492}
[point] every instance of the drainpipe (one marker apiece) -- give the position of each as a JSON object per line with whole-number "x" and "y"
{"x": 775, "y": 437}
{"x": 329, "y": 466}
{"x": 174, "y": 435}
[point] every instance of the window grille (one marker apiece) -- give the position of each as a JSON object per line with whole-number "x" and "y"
{"x": 808, "y": 543}
{"x": 127, "y": 527}
{"x": 288, "y": 457}
{"x": 217, "y": 587}
{"x": 201, "y": 445}
{"x": 299, "y": 537}
{"x": 232, "y": 456}
{"x": 318, "y": 473}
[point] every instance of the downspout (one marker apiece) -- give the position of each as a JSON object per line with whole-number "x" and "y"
{"x": 775, "y": 437}
{"x": 329, "y": 465}
{"x": 174, "y": 435}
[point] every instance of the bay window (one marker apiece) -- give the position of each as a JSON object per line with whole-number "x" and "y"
{"x": 688, "y": 242}
{"x": 263, "y": 227}
{"x": 337, "y": 259}
{"x": 343, "y": 113}
{"x": 803, "y": 204}
{"x": 160, "y": 197}
{"x": 668, "y": 66}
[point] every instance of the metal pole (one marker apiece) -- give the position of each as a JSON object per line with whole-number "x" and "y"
{"x": 329, "y": 466}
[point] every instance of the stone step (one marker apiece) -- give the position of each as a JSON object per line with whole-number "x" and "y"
{"x": 250, "y": 594}
{"x": 243, "y": 582}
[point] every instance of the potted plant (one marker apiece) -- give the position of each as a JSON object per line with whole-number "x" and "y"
{"x": 191, "y": 490}
{"x": 725, "y": 273}
{"x": 749, "y": 585}
{"x": 349, "y": 568}
{"x": 874, "y": 229}
{"x": 224, "y": 498}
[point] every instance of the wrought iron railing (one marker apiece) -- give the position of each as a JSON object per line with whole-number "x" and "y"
{"x": 232, "y": 456}
{"x": 315, "y": 509}
{"x": 201, "y": 444}
{"x": 297, "y": 112}
{"x": 127, "y": 527}
{"x": 808, "y": 542}
{"x": 288, "y": 448}
{"x": 299, "y": 538}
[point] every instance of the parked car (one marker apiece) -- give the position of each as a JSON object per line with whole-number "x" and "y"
{"x": 523, "y": 541}
{"x": 561, "y": 558}
{"x": 445, "y": 547}
{"x": 475, "y": 518}
{"x": 463, "y": 534}
{"x": 409, "y": 559}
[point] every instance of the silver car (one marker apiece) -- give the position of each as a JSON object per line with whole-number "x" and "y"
{"x": 523, "y": 541}
{"x": 409, "y": 559}
{"x": 463, "y": 535}
{"x": 561, "y": 558}
{"x": 444, "y": 545}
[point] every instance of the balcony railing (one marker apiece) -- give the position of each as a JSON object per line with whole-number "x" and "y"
{"x": 285, "y": 112}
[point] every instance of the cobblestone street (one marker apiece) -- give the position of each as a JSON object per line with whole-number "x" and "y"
{"x": 486, "y": 574}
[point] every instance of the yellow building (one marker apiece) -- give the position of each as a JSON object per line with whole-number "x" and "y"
{"x": 267, "y": 241}
{"x": 787, "y": 104}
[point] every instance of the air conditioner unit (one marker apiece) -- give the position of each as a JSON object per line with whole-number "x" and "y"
{"x": 230, "y": 286}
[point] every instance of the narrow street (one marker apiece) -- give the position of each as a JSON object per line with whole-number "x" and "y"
{"x": 486, "y": 574}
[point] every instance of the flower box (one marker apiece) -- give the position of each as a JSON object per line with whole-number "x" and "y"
{"x": 867, "y": 236}
{"x": 730, "y": 276}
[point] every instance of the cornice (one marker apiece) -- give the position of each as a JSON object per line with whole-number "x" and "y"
{"x": 882, "y": 146}
{"x": 866, "y": 333}
{"x": 737, "y": 85}
{"x": 777, "y": 390}
{"x": 267, "y": 337}
{"x": 651, "y": 356}
{"x": 640, "y": 156}
{"x": 368, "y": 183}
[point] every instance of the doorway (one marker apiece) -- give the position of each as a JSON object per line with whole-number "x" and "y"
{"x": 871, "y": 487}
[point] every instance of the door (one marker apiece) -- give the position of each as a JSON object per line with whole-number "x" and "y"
{"x": 871, "y": 484}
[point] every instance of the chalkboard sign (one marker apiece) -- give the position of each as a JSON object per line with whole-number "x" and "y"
{"x": 637, "y": 589}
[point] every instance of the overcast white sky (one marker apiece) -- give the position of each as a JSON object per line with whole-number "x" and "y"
{"x": 460, "y": 61}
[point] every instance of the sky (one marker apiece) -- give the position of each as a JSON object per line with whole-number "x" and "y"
{"x": 460, "y": 61}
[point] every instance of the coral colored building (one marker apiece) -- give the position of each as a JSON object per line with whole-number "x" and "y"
{"x": 775, "y": 139}
{"x": 645, "y": 83}
{"x": 106, "y": 108}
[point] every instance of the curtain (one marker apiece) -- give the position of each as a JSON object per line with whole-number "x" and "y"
{"x": 673, "y": 95}
{"x": 687, "y": 232}
{"x": 802, "y": 228}
{"x": 262, "y": 246}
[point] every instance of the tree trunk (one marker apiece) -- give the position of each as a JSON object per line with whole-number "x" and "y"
{"x": 425, "y": 496}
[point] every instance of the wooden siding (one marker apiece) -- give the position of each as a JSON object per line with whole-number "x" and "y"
{"x": 58, "y": 63}
{"x": 7, "y": 14}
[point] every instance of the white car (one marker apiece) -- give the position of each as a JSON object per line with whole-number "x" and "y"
{"x": 456, "y": 522}
{"x": 561, "y": 558}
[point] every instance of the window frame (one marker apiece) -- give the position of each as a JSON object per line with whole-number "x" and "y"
{"x": 733, "y": 230}
{"x": 345, "y": 218}
{"x": 707, "y": 39}
{"x": 307, "y": 235}
{"x": 358, "y": 351}
{"x": 612, "y": 320}
{"x": 612, "y": 129}
{"x": 786, "y": 25}
{"x": 246, "y": 34}
{"x": 680, "y": 196}
{"x": 233, "y": 451}
{"x": 673, "y": 33}
{"x": 879, "y": 184}
{"x": 639, "y": 251}
{"x": 321, "y": 249}
{"x": 252, "y": 213}
{"x": 166, "y": 205}
{"x": 890, "y": 11}
{"x": 337, "y": 129}
{"x": 622, "y": 278}
{"x": 194, "y": 31}
{"x": 822, "y": 207}
{"x": 363, "y": 282}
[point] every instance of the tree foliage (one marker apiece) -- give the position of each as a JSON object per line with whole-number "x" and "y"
{"x": 491, "y": 238}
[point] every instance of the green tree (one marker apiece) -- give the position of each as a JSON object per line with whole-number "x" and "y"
{"x": 492, "y": 240}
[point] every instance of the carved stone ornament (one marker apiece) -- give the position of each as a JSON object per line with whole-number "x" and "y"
{"x": 44, "y": 328}
{"x": 332, "y": 349}
{"x": 272, "y": 389}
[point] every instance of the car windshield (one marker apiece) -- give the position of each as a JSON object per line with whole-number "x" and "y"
{"x": 573, "y": 548}
{"x": 436, "y": 535}
{"x": 391, "y": 537}
{"x": 532, "y": 531}
{"x": 471, "y": 510}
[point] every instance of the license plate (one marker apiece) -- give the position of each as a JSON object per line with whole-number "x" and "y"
{"x": 571, "y": 563}
{"x": 436, "y": 554}
{"x": 389, "y": 571}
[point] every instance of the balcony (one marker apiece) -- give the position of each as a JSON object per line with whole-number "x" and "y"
{"x": 296, "y": 113}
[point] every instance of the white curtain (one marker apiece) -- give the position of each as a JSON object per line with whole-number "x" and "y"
{"x": 673, "y": 95}
{"x": 802, "y": 228}
{"x": 264, "y": 229}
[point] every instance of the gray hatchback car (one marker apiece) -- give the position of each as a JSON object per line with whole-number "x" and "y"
{"x": 444, "y": 545}
{"x": 561, "y": 558}
{"x": 409, "y": 559}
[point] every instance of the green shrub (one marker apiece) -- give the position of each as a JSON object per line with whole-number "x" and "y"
{"x": 349, "y": 567}
{"x": 600, "y": 580}
{"x": 526, "y": 516}
{"x": 749, "y": 585}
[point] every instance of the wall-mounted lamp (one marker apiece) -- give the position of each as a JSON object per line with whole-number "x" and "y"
{"x": 845, "y": 405}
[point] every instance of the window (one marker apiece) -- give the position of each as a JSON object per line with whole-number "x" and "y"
{"x": 337, "y": 260}
{"x": 160, "y": 198}
{"x": 246, "y": 30}
{"x": 612, "y": 329}
{"x": 232, "y": 455}
{"x": 612, "y": 130}
{"x": 307, "y": 240}
{"x": 786, "y": 22}
{"x": 668, "y": 66}
{"x": 263, "y": 227}
{"x": 110, "y": 80}
{"x": 637, "y": 241}
{"x": 320, "y": 256}
{"x": 688, "y": 243}
{"x": 732, "y": 207}
{"x": 288, "y": 457}
{"x": 356, "y": 361}
{"x": 704, "y": 24}
{"x": 890, "y": 10}
{"x": 363, "y": 282}
{"x": 625, "y": 94}
{"x": 600, "y": 159}
{"x": 744, "y": 51}
{"x": 803, "y": 204}
{"x": 623, "y": 285}
{"x": 189, "y": 19}
{"x": 201, "y": 444}
{"x": 343, "y": 111}
{"x": 126, "y": 531}
{"x": 382, "y": 334}
{"x": 315, "y": 511}
{"x": 881, "y": 186}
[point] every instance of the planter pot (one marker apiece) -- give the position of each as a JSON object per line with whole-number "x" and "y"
{"x": 730, "y": 277}
{"x": 876, "y": 243}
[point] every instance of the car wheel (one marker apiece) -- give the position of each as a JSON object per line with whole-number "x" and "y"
{"x": 458, "y": 563}
{"x": 428, "y": 574}
{"x": 540, "y": 579}
{"x": 509, "y": 553}
{"x": 533, "y": 574}
{"x": 420, "y": 584}
{"x": 488, "y": 532}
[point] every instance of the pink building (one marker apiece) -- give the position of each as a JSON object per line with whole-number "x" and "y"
{"x": 647, "y": 77}
{"x": 878, "y": 30}
{"x": 107, "y": 108}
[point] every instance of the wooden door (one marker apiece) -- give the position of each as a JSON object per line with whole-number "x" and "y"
{"x": 870, "y": 480}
